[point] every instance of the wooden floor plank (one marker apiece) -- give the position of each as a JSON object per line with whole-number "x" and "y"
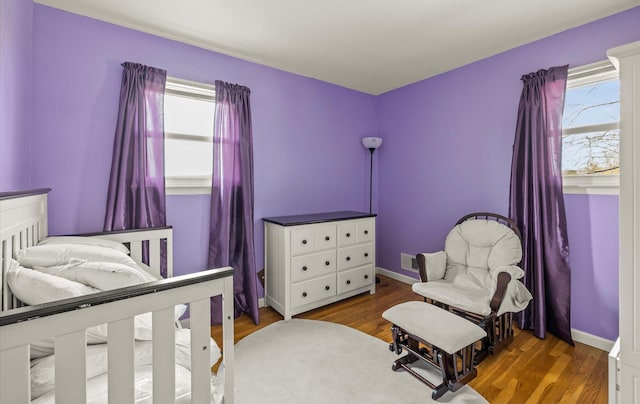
{"x": 528, "y": 370}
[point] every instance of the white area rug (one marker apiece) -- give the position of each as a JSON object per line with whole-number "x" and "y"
{"x": 307, "y": 361}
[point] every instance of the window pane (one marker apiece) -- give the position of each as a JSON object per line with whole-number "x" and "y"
{"x": 188, "y": 116}
{"x": 592, "y": 104}
{"x": 185, "y": 158}
{"x": 591, "y": 153}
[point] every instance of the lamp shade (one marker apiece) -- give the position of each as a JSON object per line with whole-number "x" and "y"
{"x": 371, "y": 142}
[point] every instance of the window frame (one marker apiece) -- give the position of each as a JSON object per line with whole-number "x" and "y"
{"x": 602, "y": 184}
{"x": 194, "y": 184}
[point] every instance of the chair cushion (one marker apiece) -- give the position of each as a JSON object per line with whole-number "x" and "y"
{"x": 436, "y": 264}
{"x": 475, "y": 246}
{"x": 468, "y": 298}
{"x": 473, "y": 299}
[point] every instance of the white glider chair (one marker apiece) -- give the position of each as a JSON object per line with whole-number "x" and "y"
{"x": 477, "y": 276}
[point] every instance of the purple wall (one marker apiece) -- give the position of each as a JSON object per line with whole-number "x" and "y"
{"x": 307, "y": 151}
{"x": 593, "y": 233}
{"x": 16, "y": 17}
{"x": 447, "y": 152}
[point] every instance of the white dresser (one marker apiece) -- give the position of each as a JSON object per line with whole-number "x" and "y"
{"x": 317, "y": 259}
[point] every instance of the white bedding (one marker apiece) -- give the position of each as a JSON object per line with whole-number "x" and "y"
{"x": 69, "y": 267}
{"x": 43, "y": 375}
{"x": 97, "y": 388}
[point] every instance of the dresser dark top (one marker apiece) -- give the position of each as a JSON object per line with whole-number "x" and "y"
{"x": 311, "y": 218}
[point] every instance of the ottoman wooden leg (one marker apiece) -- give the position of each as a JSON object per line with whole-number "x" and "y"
{"x": 451, "y": 353}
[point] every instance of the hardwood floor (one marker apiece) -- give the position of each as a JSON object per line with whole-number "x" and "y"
{"x": 529, "y": 370}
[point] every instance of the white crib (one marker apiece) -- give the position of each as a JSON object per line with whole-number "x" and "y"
{"x": 23, "y": 223}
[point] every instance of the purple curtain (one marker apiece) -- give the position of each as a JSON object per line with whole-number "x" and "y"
{"x": 231, "y": 225}
{"x": 136, "y": 196}
{"x": 536, "y": 203}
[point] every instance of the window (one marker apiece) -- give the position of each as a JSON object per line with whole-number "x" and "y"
{"x": 591, "y": 130}
{"x": 188, "y": 125}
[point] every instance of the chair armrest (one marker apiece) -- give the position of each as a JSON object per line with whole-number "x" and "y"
{"x": 432, "y": 266}
{"x": 515, "y": 271}
{"x": 503, "y": 280}
{"x": 502, "y": 276}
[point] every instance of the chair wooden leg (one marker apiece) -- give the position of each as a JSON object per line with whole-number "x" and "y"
{"x": 503, "y": 332}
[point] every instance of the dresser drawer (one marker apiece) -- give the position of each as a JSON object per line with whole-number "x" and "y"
{"x": 351, "y": 257}
{"x": 309, "y": 266}
{"x": 355, "y": 278}
{"x": 310, "y": 291}
{"x": 325, "y": 237}
{"x": 308, "y": 239}
{"x": 347, "y": 233}
{"x": 365, "y": 231}
{"x": 303, "y": 241}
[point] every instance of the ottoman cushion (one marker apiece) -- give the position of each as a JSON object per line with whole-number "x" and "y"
{"x": 437, "y": 326}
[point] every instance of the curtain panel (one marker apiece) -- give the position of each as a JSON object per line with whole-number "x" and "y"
{"x": 231, "y": 220}
{"x": 136, "y": 194}
{"x": 536, "y": 203}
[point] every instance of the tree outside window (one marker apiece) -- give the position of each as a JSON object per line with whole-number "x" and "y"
{"x": 591, "y": 126}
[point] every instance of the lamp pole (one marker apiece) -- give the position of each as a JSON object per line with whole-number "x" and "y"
{"x": 371, "y": 149}
{"x": 371, "y": 143}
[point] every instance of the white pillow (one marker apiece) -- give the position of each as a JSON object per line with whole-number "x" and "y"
{"x": 100, "y": 275}
{"x": 149, "y": 272}
{"x": 436, "y": 264}
{"x": 91, "y": 241}
{"x": 63, "y": 254}
{"x": 33, "y": 287}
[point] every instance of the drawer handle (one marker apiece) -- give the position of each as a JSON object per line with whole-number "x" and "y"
{"x": 304, "y": 268}
{"x": 348, "y": 234}
{"x": 327, "y": 263}
{"x": 366, "y": 232}
{"x": 366, "y": 254}
{"x": 304, "y": 294}
{"x": 366, "y": 277}
{"x": 327, "y": 287}
{"x": 348, "y": 282}
{"x": 327, "y": 238}
{"x": 304, "y": 241}
{"x": 348, "y": 258}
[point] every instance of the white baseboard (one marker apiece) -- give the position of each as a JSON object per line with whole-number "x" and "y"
{"x": 396, "y": 276}
{"x": 261, "y": 302}
{"x": 592, "y": 340}
{"x": 577, "y": 335}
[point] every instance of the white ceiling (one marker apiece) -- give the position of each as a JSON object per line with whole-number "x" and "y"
{"x": 368, "y": 45}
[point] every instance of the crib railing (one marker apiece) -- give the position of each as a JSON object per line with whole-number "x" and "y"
{"x": 134, "y": 239}
{"x": 67, "y": 321}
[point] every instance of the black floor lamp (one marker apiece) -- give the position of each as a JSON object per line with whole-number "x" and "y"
{"x": 371, "y": 143}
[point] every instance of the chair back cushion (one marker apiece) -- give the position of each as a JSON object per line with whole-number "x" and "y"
{"x": 475, "y": 246}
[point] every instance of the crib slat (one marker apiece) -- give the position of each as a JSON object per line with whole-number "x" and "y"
{"x": 169, "y": 244}
{"x": 7, "y": 250}
{"x": 164, "y": 373}
{"x": 120, "y": 361}
{"x": 28, "y": 237}
{"x": 23, "y": 239}
{"x": 135, "y": 247}
{"x": 154, "y": 255}
{"x": 227, "y": 339}
{"x": 71, "y": 368}
{"x": 15, "y": 383}
{"x": 200, "y": 334}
